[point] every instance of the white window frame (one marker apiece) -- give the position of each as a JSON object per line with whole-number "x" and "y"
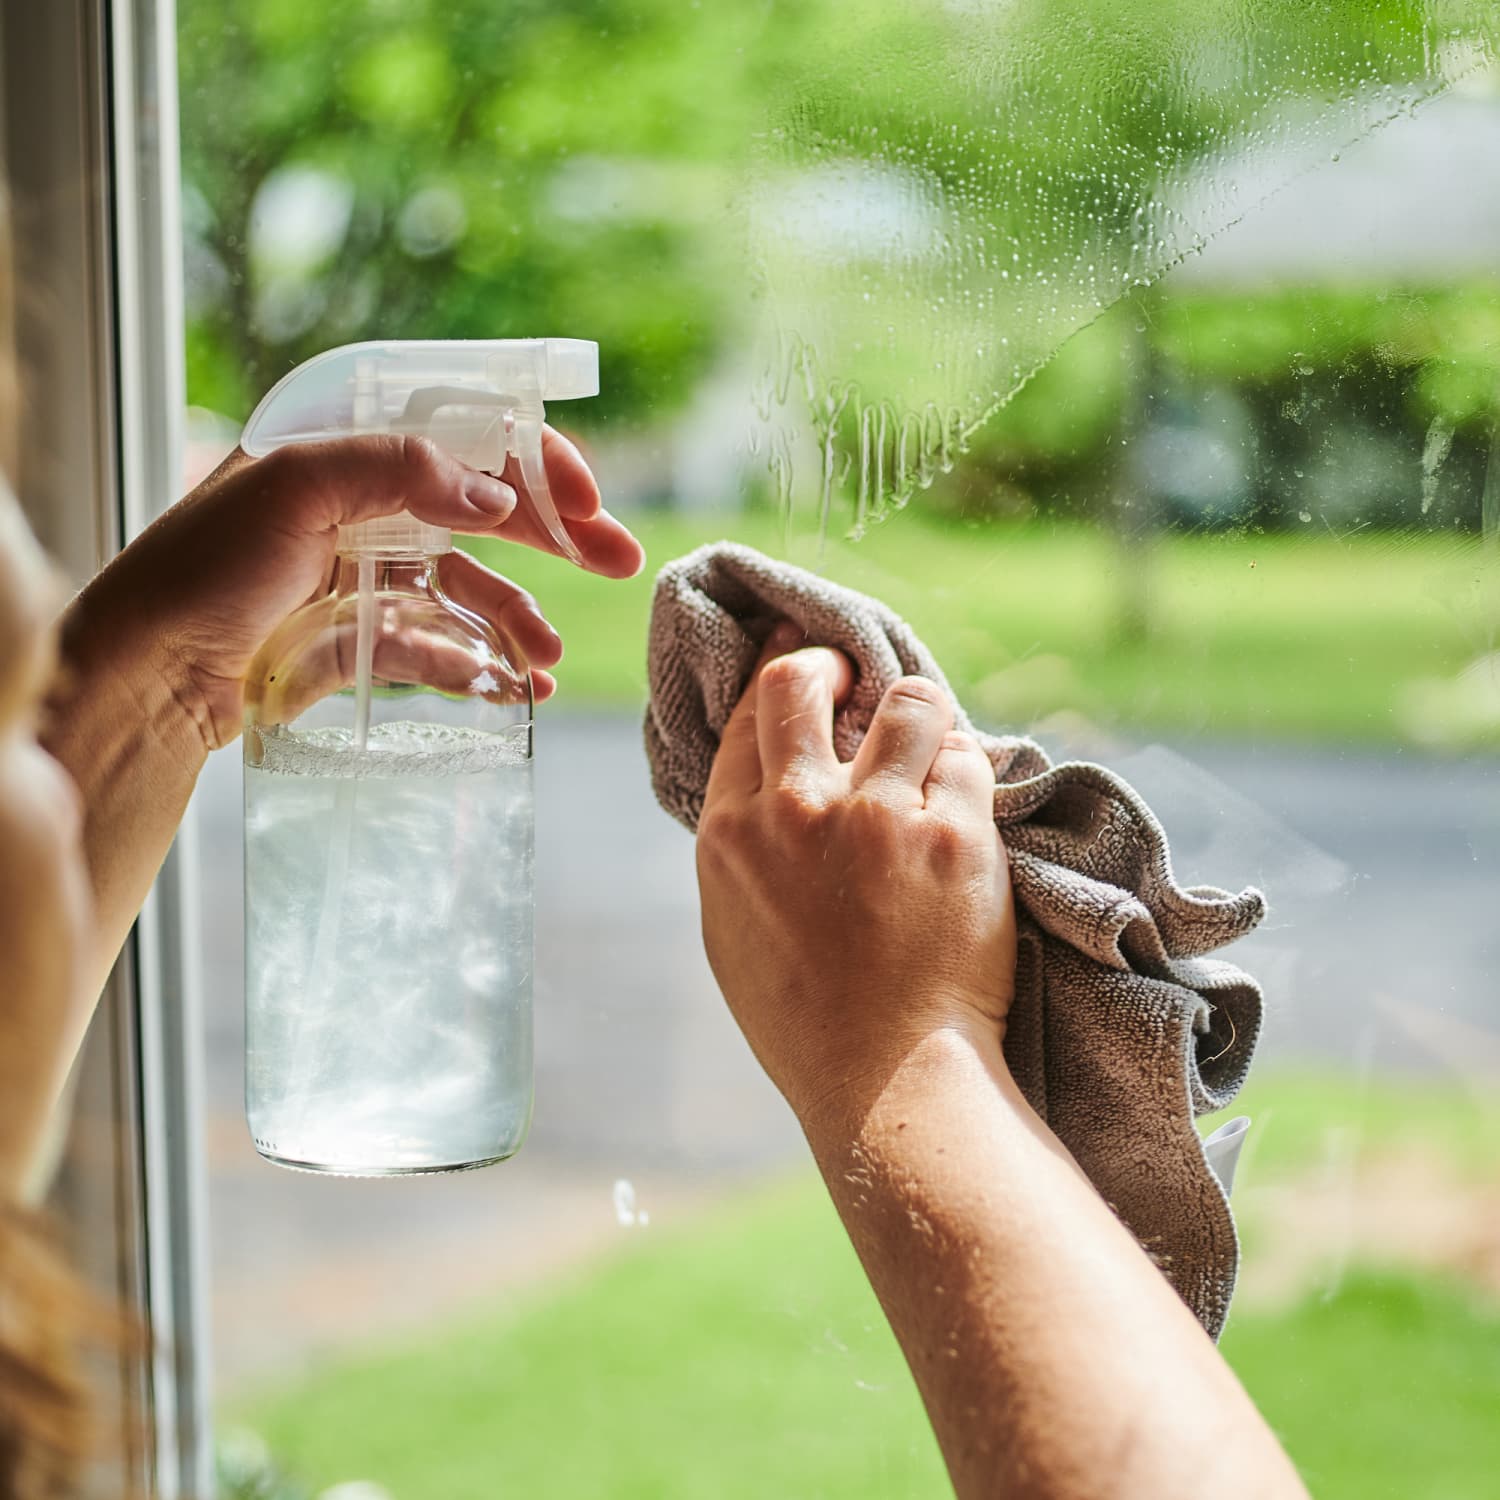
{"x": 91, "y": 152}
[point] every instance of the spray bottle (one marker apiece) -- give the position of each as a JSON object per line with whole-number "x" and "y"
{"x": 388, "y": 794}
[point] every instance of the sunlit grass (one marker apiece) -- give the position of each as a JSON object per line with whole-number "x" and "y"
{"x": 1310, "y": 636}
{"x": 1386, "y": 1389}
{"x": 1298, "y": 1112}
{"x": 742, "y": 1354}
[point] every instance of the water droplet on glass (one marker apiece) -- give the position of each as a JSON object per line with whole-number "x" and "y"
{"x": 1017, "y": 213}
{"x": 626, "y": 1212}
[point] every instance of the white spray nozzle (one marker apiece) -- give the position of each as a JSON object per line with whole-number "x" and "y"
{"x": 482, "y": 400}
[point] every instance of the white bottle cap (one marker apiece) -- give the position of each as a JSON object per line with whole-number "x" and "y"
{"x": 400, "y": 535}
{"x": 482, "y": 400}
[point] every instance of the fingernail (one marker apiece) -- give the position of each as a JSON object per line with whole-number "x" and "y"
{"x": 493, "y": 496}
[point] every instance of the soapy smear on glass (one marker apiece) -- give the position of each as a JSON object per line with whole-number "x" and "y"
{"x": 928, "y": 230}
{"x": 627, "y": 1214}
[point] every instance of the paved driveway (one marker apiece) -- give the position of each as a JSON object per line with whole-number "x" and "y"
{"x": 1383, "y": 948}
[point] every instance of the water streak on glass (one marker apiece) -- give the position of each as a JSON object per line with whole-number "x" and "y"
{"x": 924, "y": 246}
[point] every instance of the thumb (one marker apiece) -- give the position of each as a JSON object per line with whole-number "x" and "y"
{"x": 312, "y": 487}
{"x": 736, "y": 767}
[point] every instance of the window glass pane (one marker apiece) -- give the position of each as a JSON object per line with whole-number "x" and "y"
{"x": 57, "y": 342}
{"x": 1147, "y": 359}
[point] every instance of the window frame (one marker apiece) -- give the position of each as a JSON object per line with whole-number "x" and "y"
{"x": 91, "y": 159}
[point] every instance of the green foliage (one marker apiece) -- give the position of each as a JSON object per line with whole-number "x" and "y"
{"x": 582, "y": 166}
{"x": 1314, "y": 636}
{"x": 1446, "y": 342}
{"x": 491, "y": 103}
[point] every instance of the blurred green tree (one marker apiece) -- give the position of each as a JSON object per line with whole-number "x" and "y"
{"x": 396, "y": 168}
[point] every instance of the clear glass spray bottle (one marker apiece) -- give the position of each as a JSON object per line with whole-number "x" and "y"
{"x": 388, "y": 796}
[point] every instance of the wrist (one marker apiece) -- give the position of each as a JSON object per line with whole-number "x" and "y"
{"x": 119, "y": 695}
{"x": 938, "y": 1062}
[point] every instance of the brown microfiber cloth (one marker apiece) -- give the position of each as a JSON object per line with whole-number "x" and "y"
{"x": 1121, "y": 1032}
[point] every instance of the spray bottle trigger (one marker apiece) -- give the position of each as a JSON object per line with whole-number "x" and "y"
{"x": 528, "y": 450}
{"x": 485, "y": 443}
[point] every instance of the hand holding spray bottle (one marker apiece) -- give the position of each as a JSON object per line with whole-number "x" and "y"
{"x": 388, "y": 793}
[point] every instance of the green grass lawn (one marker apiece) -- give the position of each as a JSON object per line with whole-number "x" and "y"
{"x": 1296, "y": 1110}
{"x": 743, "y": 1355}
{"x": 1299, "y": 636}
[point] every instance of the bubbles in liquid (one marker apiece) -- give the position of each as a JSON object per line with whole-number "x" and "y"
{"x": 388, "y": 938}
{"x": 396, "y": 749}
{"x": 923, "y": 247}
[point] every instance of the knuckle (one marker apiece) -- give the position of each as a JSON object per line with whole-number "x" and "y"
{"x": 871, "y": 820}
{"x": 784, "y": 675}
{"x": 793, "y": 812}
{"x": 419, "y": 454}
{"x": 521, "y": 602}
{"x": 969, "y": 835}
{"x": 964, "y": 767}
{"x": 290, "y": 478}
{"x": 947, "y": 841}
{"x": 921, "y": 693}
{"x": 277, "y": 467}
{"x": 951, "y": 851}
{"x": 722, "y": 830}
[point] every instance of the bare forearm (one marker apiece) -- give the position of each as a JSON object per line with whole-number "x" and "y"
{"x": 1054, "y": 1359}
{"x": 118, "y": 726}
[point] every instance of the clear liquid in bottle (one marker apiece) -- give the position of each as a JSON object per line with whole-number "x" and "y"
{"x": 388, "y": 882}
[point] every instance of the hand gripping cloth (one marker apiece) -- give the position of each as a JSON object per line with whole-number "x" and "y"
{"x": 1122, "y": 1031}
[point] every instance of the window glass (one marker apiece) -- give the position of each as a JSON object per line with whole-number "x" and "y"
{"x": 58, "y": 344}
{"x": 1146, "y": 358}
